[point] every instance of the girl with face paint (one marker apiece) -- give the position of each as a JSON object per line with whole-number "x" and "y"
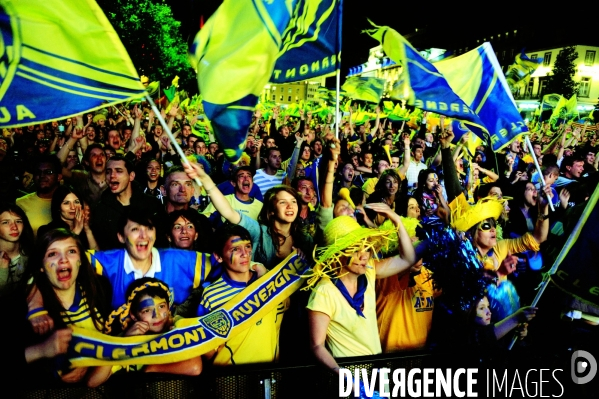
{"x": 65, "y": 292}
{"x": 147, "y": 311}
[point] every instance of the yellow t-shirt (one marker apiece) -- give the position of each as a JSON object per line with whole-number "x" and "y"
{"x": 257, "y": 344}
{"x": 37, "y": 210}
{"x": 348, "y": 333}
{"x": 368, "y": 186}
{"x": 404, "y": 314}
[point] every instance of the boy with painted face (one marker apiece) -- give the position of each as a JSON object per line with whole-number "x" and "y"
{"x": 234, "y": 251}
{"x": 146, "y": 311}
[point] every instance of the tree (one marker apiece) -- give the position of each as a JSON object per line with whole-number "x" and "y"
{"x": 153, "y": 40}
{"x": 560, "y": 80}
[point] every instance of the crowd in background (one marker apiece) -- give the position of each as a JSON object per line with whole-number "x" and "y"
{"x": 98, "y": 211}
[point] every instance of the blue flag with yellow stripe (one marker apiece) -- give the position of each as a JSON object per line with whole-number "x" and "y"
{"x": 311, "y": 43}
{"x": 420, "y": 83}
{"x": 476, "y": 77}
{"x": 234, "y": 55}
{"x": 236, "y": 51}
{"x": 59, "y": 59}
{"x": 471, "y": 87}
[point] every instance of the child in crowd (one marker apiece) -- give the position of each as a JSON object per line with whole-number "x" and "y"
{"x": 147, "y": 311}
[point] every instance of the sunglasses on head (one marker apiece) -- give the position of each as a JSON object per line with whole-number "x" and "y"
{"x": 486, "y": 225}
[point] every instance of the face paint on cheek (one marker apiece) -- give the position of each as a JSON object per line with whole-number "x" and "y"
{"x": 148, "y": 303}
{"x": 50, "y": 266}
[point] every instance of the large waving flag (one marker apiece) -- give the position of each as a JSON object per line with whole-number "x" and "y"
{"x": 364, "y": 88}
{"x": 471, "y": 87}
{"x": 519, "y": 73}
{"x": 477, "y": 78}
{"x": 311, "y": 43}
{"x": 235, "y": 55}
{"x": 420, "y": 83}
{"x": 59, "y": 59}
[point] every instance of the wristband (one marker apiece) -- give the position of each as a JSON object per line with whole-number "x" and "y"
{"x": 37, "y": 312}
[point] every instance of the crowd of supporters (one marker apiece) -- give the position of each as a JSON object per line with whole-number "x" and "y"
{"x": 98, "y": 211}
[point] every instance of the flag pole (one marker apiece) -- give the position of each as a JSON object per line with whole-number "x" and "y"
{"x": 566, "y": 248}
{"x": 170, "y": 135}
{"x": 338, "y": 90}
{"x": 534, "y": 158}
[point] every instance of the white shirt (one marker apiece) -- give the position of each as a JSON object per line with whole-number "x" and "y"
{"x": 154, "y": 268}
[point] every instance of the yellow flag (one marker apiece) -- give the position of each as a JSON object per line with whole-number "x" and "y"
{"x": 60, "y": 58}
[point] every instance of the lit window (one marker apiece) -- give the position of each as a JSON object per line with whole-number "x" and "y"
{"x": 589, "y": 58}
{"x": 585, "y": 87}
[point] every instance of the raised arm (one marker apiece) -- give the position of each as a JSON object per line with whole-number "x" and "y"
{"x": 403, "y": 169}
{"x": 292, "y": 164}
{"x": 377, "y": 123}
{"x": 326, "y": 195}
{"x": 506, "y": 325}
{"x": 77, "y": 134}
{"x": 135, "y": 133}
{"x": 195, "y": 170}
{"x": 407, "y": 256}
{"x": 542, "y": 224}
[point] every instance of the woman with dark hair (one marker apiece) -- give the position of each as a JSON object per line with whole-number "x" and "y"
{"x": 429, "y": 195}
{"x": 525, "y": 211}
{"x": 72, "y": 295}
{"x": 277, "y": 232}
{"x": 306, "y": 154}
{"x": 70, "y": 212}
{"x": 387, "y": 191}
{"x": 16, "y": 244}
{"x": 187, "y": 229}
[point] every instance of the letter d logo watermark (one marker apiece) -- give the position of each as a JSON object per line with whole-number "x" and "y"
{"x": 583, "y": 367}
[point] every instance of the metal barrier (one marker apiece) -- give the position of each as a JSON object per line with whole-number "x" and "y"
{"x": 270, "y": 381}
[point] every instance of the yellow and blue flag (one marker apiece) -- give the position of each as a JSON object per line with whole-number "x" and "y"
{"x": 477, "y": 78}
{"x": 572, "y": 105}
{"x": 59, "y": 59}
{"x": 311, "y": 42}
{"x": 470, "y": 87}
{"x": 234, "y": 55}
{"x": 519, "y": 73}
{"x": 364, "y": 88}
{"x": 236, "y": 50}
{"x": 420, "y": 83}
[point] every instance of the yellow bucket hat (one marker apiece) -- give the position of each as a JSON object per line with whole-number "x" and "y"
{"x": 465, "y": 216}
{"x": 343, "y": 237}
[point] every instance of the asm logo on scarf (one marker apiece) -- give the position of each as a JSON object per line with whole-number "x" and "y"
{"x": 218, "y": 322}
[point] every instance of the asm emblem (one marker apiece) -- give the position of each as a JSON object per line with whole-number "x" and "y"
{"x": 219, "y": 322}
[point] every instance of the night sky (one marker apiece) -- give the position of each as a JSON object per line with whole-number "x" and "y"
{"x": 439, "y": 25}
